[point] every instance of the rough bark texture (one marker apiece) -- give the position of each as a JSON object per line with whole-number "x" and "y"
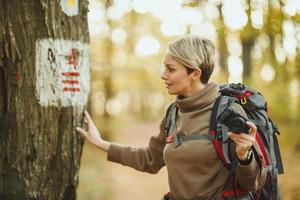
{"x": 39, "y": 148}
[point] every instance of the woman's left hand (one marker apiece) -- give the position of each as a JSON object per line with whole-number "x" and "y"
{"x": 244, "y": 141}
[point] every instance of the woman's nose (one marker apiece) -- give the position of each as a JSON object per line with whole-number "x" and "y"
{"x": 163, "y": 75}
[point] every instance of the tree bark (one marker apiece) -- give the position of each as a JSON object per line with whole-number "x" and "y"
{"x": 40, "y": 150}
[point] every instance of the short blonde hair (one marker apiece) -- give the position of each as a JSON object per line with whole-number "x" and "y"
{"x": 194, "y": 52}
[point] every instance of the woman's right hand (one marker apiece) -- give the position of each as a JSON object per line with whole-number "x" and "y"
{"x": 91, "y": 133}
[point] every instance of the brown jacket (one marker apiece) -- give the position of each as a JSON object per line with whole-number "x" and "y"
{"x": 195, "y": 170}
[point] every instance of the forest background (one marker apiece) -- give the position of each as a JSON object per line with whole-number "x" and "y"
{"x": 258, "y": 42}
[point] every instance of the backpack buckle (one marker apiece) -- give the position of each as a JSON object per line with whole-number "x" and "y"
{"x": 243, "y": 100}
{"x": 170, "y": 139}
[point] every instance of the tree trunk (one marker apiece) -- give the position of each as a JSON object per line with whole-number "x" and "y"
{"x": 44, "y": 84}
{"x": 248, "y": 37}
{"x": 273, "y": 28}
{"x": 107, "y": 75}
{"x": 222, "y": 45}
{"x": 247, "y": 47}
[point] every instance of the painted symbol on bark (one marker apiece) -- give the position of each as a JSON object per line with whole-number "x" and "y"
{"x": 18, "y": 77}
{"x": 71, "y": 3}
{"x": 62, "y": 70}
{"x": 70, "y": 78}
{"x": 72, "y": 58}
{"x": 70, "y": 7}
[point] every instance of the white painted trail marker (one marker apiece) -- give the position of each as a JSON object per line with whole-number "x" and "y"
{"x": 70, "y": 7}
{"x": 62, "y": 70}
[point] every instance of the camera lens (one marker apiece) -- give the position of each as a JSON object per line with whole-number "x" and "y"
{"x": 234, "y": 121}
{"x": 237, "y": 124}
{"x": 237, "y": 121}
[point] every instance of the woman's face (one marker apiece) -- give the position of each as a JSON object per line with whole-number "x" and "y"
{"x": 176, "y": 77}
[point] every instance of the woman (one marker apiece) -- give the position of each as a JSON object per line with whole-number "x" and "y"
{"x": 194, "y": 168}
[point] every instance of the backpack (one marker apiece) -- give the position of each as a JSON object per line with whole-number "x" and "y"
{"x": 255, "y": 107}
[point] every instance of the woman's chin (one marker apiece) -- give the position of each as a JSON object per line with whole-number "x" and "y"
{"x": 171, "y": 92}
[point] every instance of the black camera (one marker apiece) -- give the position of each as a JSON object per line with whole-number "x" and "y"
{"x": 235, "y": 122}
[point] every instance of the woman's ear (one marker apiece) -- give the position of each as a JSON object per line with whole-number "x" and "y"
{"x": 197, "y": 74}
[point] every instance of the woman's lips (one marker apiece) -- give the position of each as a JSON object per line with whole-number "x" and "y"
{"x": 167, "y": 85}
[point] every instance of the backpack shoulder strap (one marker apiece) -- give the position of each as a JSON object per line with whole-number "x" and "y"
{"x": 218, "y": 131}
{"x": 168, "y": 118}
{"x": 170, "y": 131}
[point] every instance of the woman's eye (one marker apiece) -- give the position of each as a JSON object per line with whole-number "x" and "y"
{"x": 170, "y": 69}
{"x": 167, "y": 68}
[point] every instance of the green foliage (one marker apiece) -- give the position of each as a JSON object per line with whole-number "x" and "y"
{"x": 274, "y": 19}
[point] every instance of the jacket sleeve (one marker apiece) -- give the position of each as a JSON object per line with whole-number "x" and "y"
{"x": 147, "y": 159}
{"x": 251, "y": 177}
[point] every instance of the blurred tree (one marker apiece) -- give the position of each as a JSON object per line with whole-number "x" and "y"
{"x": 296, "y": 20}
{"x": 107, "y": 58}
{"x": 222, "y": 46}
{"x": 297, "y": 62}
{"x": 274, "y": 19}
{"x": 248, "y": 36}
{"x": 40, "y": 150}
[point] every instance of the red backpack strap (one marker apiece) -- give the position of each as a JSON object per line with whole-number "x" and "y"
{"x": 234, "y": 193}
{"x": 261, "y": 145}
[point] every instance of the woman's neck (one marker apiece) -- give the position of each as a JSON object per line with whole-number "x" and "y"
{"x": 195, "y": 88}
